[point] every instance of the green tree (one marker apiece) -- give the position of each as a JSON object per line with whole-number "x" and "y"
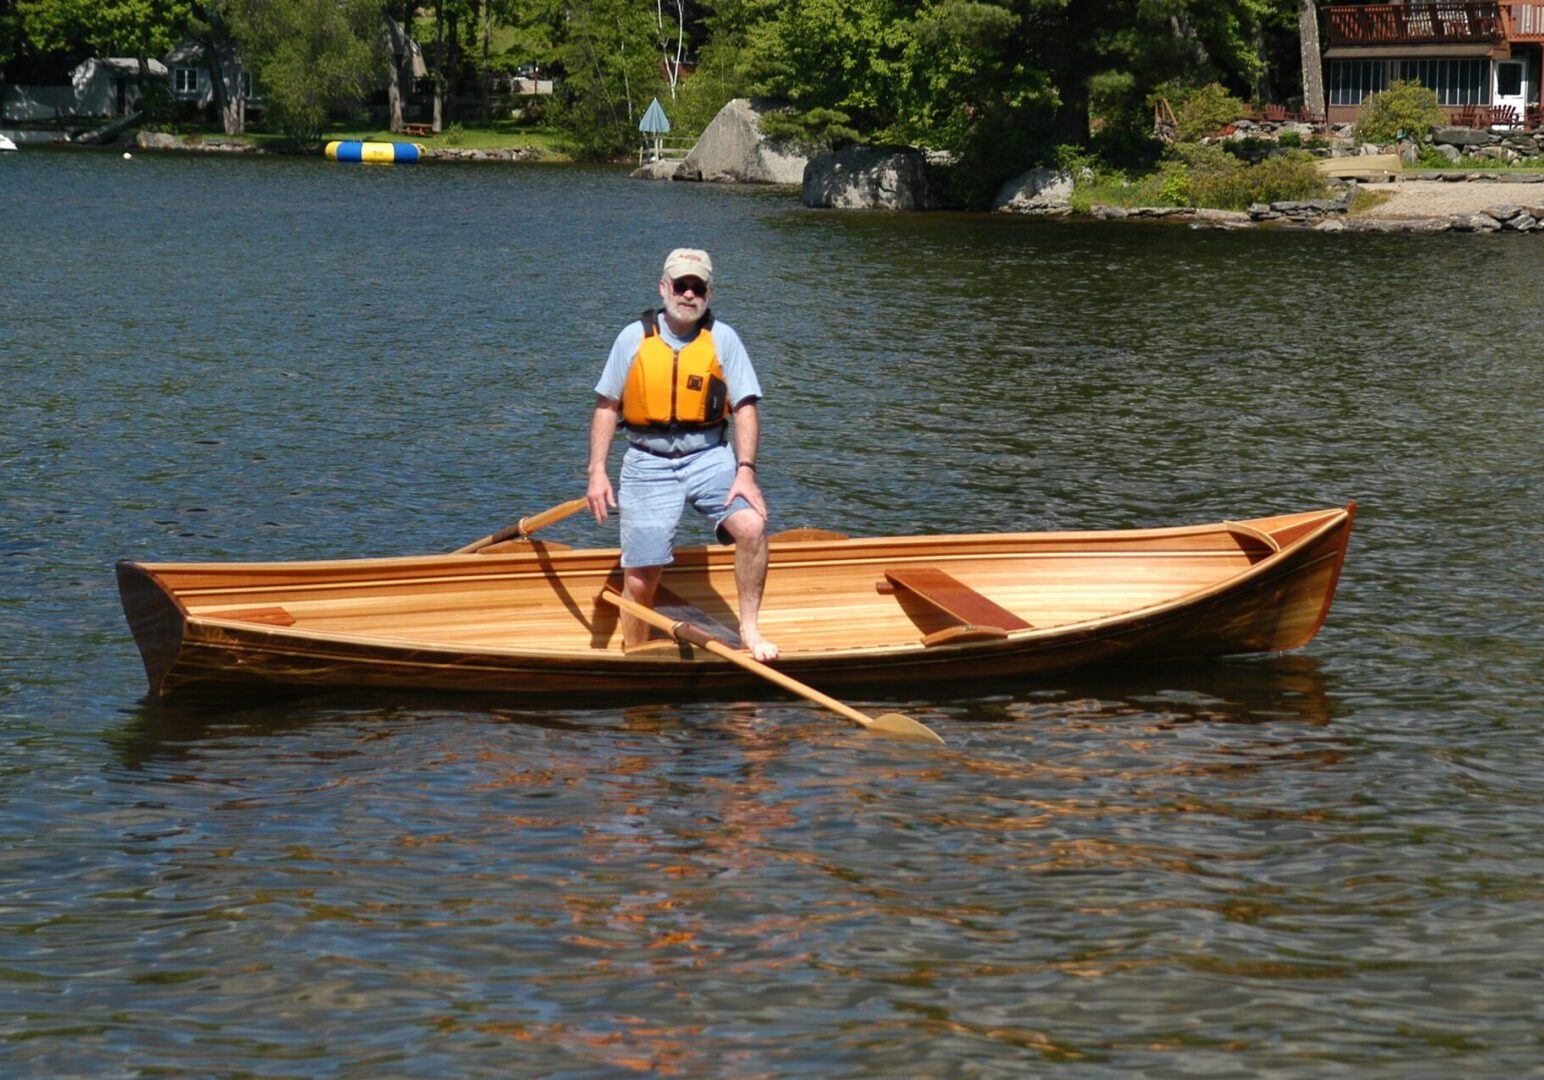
{"x": 610, "y": 74}
{"x": 137, "y": 28}
{"x": 313, "y": 57}
{"x": 213, "y": 27}
{"x": 1001, "y": 82}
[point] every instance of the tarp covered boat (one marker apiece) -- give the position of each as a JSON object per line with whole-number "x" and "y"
{"x": 846, "y": 611}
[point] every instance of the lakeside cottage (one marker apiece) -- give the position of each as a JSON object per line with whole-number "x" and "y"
{"x": 1483, "y": 58}
{"x": 102, "y": 86}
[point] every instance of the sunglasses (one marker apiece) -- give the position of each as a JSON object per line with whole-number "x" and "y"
{"x": 696, "y": 286}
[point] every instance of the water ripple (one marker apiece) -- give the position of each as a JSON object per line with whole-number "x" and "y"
{"x": 1319, "y": 864}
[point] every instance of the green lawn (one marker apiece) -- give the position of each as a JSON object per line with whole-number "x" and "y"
{"x": 495, "y": 136}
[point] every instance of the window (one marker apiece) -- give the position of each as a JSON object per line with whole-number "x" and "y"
{"x": 1457, "y": 82}
{"x": 185, "y": 80}
{"x": 1352, "y": 81}
{"x": 1509, "y": 80}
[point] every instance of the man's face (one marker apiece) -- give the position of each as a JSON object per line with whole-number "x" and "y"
{"x": 686, "y": 297}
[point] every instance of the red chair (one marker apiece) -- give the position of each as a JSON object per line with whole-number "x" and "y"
{"x": 1274, "y": 113}
{"x": 1502, "y": 116}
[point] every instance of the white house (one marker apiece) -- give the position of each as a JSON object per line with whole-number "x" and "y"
{"x": 101, "y": 86}
{"x": 109, "y": 86}
{"x": 190, "y": 76}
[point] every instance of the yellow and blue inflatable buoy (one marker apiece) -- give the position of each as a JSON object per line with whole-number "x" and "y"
{"x": 380, "y": 153}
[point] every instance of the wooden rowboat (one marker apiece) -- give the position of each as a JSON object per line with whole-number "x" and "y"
{"x": 525, "y": 618}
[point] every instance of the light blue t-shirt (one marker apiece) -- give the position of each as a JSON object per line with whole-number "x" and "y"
{"x": 732, "y": 357}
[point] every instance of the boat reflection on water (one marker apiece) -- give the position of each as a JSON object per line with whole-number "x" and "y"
{"x": 1289, "y": 687}
{"x": 1261, "y": 690}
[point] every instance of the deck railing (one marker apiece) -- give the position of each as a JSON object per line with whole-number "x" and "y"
{"x": 1524, "y": 22}
{"x": 1417, "y": 23}
{"x": 665, "y": 148}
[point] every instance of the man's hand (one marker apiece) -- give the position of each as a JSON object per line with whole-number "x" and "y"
{"x": 600, "y": 496}
{"x": 747, "y": 438}
{"x": 603, "y": 428}
{"x": 745, "y": 484}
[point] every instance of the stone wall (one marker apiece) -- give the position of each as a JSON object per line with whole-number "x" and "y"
{"x": 1460, "y": 144}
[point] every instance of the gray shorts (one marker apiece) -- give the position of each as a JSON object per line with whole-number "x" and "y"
{"x": 655, "y": 490}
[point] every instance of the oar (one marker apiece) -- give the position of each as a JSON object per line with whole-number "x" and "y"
{"x": 886, "y": 724}
{"x": 525, "y": 526}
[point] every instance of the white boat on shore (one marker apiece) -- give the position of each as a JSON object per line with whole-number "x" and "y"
{"x": 6, "y": 143}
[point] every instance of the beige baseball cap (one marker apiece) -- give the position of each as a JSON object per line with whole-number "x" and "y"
{"x": 689, "y": 262}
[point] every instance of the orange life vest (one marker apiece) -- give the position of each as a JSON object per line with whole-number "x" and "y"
{"x": 675, "y": 389}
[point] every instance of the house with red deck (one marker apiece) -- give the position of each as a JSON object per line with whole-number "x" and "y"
{"x": 1482, "y": 57}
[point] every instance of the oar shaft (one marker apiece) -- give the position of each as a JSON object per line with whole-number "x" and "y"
{"x": 891, "y": 723}
{"x": 695, "y": 635}
{"x": 525, "y": 526}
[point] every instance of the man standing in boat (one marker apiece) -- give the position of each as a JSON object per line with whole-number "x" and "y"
{"x": 674, "y": 380}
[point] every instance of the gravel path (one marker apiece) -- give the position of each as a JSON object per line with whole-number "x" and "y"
{"x": 1443, "y": 198}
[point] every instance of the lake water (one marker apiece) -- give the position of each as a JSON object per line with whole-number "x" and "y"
{"x": 1325, "y": 863}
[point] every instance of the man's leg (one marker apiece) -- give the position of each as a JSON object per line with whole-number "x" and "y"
{"x": 651, "y": 500}
{"x": 749, "y": 530}
{"x": 638, "y": 583}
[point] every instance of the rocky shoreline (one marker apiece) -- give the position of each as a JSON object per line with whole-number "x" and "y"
{"x": 1328, "y": 215}
{"x": 1434, "y": 203}
{"x": 1465, "y": 201}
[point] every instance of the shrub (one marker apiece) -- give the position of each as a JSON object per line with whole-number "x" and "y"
{"x": 1405, "y": 110}
{"x": 1210, "y": 176}
{"x": 1200, "y": 111}
{"x": 1290, "y": 175}
{"x": 818, "y": 128}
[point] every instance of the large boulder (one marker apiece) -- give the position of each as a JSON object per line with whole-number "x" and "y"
{"x": 734, "y": 150}
{"x": 1038, "y": 191}
{"x": 1460, "y": 136}
{"x": 664, "y": 169}
{"x": 870, "y": 177}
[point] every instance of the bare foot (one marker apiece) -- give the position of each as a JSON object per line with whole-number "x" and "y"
{"x": 759, "y": 647}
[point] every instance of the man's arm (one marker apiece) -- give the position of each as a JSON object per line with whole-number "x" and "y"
{"x": 747, "y": 440}
{"x": 603, "y": 430}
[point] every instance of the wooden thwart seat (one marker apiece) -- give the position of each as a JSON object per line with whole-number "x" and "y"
{"x": 979, "y": 617}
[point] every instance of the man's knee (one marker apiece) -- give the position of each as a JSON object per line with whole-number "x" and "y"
{"x": 745, "y": 525}
{"x": 639, "y": 582}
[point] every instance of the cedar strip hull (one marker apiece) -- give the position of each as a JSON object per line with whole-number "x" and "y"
{"x": 527, "y": 623}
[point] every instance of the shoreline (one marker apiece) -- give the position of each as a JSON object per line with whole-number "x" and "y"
{"x": 1427, "y": 201}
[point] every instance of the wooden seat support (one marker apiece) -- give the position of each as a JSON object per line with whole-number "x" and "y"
{"x": 981, "y": 617}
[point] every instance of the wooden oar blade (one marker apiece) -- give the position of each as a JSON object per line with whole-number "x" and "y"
{"x": 901, "y": 726}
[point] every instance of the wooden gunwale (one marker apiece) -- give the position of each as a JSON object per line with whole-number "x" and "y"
{"x": 270, "y": 654}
